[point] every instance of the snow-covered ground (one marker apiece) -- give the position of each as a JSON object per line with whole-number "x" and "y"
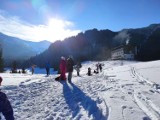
{"x": 122, "y": 91}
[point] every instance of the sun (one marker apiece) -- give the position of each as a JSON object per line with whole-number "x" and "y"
{"x": 55, "y": 29}
{"x": 59, "y": 29}
{"x": 56, "y": 24}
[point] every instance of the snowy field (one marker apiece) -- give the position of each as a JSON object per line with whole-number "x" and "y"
{"x": 122, "y": 91}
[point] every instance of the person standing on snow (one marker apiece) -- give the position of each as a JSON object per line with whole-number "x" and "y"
{"x": 62, "y": 69}
{"x": 33, "y": 66}
{"x": 97, "y": 67}
{"x": 77, "y": 67}
{"x": 89, "y": 72}
{"x": 5, "y": 106}
{"x": 48, "y": 68}
{"x": 70, "y": 65}
{"x": 100, "y": 67}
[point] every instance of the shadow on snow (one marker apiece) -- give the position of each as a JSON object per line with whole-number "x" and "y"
{"x": 75, "y": 98}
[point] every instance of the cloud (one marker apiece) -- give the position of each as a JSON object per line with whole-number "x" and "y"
{"x": 56, "y": 29}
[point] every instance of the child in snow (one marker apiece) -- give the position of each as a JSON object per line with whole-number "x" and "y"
{"x": 95, "y": 72}
{"x": 5, "y": 106}
{"x": 89, "y": 71}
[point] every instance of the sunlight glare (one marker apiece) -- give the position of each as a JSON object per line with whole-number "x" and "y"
{"x": 57, "y": 29}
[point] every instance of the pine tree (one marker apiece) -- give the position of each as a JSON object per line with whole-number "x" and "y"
{"x": 1, "y": 61}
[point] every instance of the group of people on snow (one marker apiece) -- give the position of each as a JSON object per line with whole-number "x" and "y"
{"x": 66, "y": 66}
{"x": 96, "y": 71}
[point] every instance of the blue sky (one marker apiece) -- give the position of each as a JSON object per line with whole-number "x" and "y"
{"x": 52, "y": 20}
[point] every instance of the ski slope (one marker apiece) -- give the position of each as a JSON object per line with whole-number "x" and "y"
{"x": 122, "y": 91}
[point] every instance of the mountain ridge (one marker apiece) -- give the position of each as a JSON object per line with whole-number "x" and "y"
{"x": 24, "y": 49}
{"x": 97, "y": 45}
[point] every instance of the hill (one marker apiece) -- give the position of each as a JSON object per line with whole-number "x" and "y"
{"x": 18, "y": 49}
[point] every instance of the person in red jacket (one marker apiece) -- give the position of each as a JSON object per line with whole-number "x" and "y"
{"x": 63, "y": 68}
{"x": 5, "y": 106}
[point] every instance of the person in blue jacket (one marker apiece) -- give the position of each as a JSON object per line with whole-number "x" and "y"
{"x": 48, "y": 68}
{"x": 5, "y": 106}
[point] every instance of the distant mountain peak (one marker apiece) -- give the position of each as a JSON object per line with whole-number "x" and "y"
{"x": 45, "y": 41}
{"x": 24, "y": 49}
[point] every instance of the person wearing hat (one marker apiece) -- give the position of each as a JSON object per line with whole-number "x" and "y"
{"x": 5, "y": 106}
